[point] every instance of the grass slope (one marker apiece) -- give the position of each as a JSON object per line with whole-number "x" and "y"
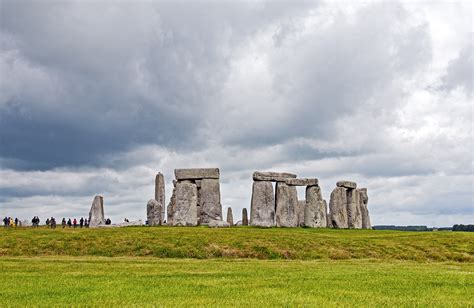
{"x": 102, "y": 281}
{"x": 243, "y": 242}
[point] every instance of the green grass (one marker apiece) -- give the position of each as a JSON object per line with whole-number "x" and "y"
{"x": 220, "y": 282}
{"x": 245, "y": 242}
{"x": 235, "y": 267}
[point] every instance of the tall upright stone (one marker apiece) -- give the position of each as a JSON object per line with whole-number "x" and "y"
{"x": 286, "y": 204}
{"x": 96, "y": 214}
{"x": 300, "y": 212}
{"x": 262, "y": 207}
{"x": 230, "y": 217}
{"x": 338, "y": 208}
{"x": 354, "y": 214}
{"x": 154, "y": 213}
{"x": 160, "y": 193}
{"x": 209, "y": 200}
{"x": 316, "y": 208}
{"x": 364, "y": 200}
{"x": 245, "y": 217}
{"x": 185, "y": 209}
{"x": 171, "y": 206}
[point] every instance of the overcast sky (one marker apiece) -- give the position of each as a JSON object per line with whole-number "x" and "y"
{"x": 96, "y": 97}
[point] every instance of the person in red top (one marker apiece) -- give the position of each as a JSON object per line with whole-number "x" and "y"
{"x": 74, "y": 222}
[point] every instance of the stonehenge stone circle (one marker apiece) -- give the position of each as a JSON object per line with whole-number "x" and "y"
{"x": 96, "y": 214}
{"x": 316, "y": 208}
{"x": 245, "y": 217}
{"x": 230, "y": 217}
{"x": 286, "y": 203}
{"x": 262, "y": 207}
{"x": 348, "y": 206}
{"x": 154, "y": 213}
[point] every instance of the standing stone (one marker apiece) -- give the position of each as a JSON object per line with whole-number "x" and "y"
{"x": 262, "y": 207}
{"x": 354, "y": 214}
{"x": 209, "y": 201}
{"x": 154, "y": 213}
{"x": 230, "y": 217}
{"x": 96, "y": 214}
{"x": 338, "y": 208}
{"x": 185, "y": 209}
{"x": 171, "y": 206}
{"x": 316, "y": 208}
{"x": 364, "y": 200}
{"x": 245, "y": 218}
{"x": 300, "y": 212}
{"x": 160, "y": 193}
{"x": 286, "y": 204}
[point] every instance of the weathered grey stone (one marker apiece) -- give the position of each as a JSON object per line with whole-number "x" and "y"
{"x": 230, "y": 217}
{"x": 364, "y": 200}
{"x": 354, "y": 214}
{"x": 302, "y": 182}
{"x": 245, "y": 217}
{"x": 286, "y": 204}
{"x": 262, "y": 207}
{"x": 160, "y": 193}
{"x": 338, "y": 208}
{"x": 272, "y": 176}
{"x": 154, "y": 213}
{"x": 171, "y": 206}
{"x": 316, "y": 208}
{"x": 218, "y": 224}
{"x": 185, "y": 209}
{"x": 300, "y": 212}
{"x": 196, "y": 173}
{"x": 346, "y": 184}
{"x": 210, "y": 201}
{"x": 96, "y": 214}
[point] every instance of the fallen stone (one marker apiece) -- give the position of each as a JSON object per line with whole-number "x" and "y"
{"x": 245, "y": 217}
{"x": 272, "y": 176}
{"x": 338, "y": 208}
{"x": 364, "y": 200}
{"x": 300, "y": 212}
{"x": 230, "y": 217}
{"x": 316, "y": 208}
{"x": 354, "y": 214}
{"x": 185, "y": 209}
{"x": 262, "y": 207}
{"x": 346, "y": 184}
{"x": 96, "y": 214}
{"x": 196, "y": 173}
{"x": 302, "y": 182}
{"x": 218, "y": 224}
{"x": 286, "y": 204}
{"x": 209, "y": 201}
{"x": 154, "y": 213}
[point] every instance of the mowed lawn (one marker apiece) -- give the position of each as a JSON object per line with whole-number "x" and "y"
{"x": 151, "y": 281}
{"x": 245, "y": 266}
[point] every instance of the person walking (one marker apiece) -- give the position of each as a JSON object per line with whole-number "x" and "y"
{"x": 53, "y": 223}
{"x": 63, "y": 223}
{"x": 86, "y": 223}
{"x": 12, "y": 222}
{"x": 69, "y": 223}
{"x": 16, "y": 221}
{"x": 81, "y": 222}
{"x": 5, "y": 222}
{"x": 74, "y": 222}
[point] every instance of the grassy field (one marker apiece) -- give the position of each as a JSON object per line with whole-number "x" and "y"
{"x": 235, "y": 267}
{"x": 245, "y": 242}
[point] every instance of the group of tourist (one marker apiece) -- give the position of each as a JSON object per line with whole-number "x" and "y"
{"x": 10, "y": 222}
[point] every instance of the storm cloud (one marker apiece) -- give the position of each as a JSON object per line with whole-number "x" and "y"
{"x": 97, "y": 97}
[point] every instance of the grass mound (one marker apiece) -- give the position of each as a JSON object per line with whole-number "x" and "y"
{"x": 241, "y": 242}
